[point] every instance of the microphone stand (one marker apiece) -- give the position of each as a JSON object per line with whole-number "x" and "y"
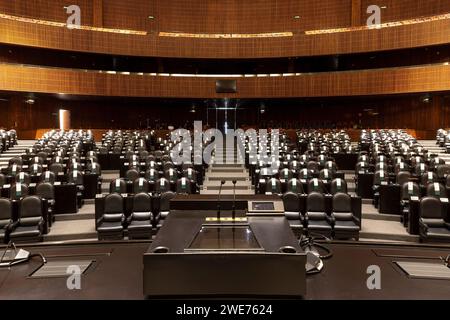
{"x": 218, "y": 201}
{"x": 234, "y": 200}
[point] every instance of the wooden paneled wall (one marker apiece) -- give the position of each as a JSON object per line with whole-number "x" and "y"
{"x": 29, "y": 34}
{"x": 432, "y": 78}
{"x": 224, "y": 16}
{"x": 405, "y": 112}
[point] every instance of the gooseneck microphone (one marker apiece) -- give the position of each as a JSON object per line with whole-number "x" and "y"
{"x": 218, "y": 200}
{"x": 234, "y": 200}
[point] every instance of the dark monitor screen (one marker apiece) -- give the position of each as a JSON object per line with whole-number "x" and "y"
{"x": 225, "y": 238}
{"x": 263, "y": 206}
{"x": 226, "y": 86}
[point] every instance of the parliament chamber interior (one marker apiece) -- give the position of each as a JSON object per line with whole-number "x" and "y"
{"x": 231, "y": 149}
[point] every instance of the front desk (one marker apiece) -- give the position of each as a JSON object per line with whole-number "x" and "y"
{"x": 197, "y": 254}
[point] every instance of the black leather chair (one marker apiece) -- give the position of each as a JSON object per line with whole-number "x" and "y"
{"x": 428, "y": 177}
{"x": 140, "y": 185}
{"x": 110, "y": 224}
{"x": 420, "y": 169}
{"x": 5, "y": 219}
{"x": 164, "y": 207}
{"x": 36, "y": 169}
{"x": 292, "y": 212}
{"x": 23, "y": 177}
{"x": 294, "y": 185}
{"x": 29, "y": 226}
{"x": 447, "y": 184}
{"x": 132, "y": 175}
{"x": 118, "y": 186}
{"x": 432, "y": 226}
{"x": 436, "y": 190}
{"x": 326, "y": 175}
{"x": 18, "y": 191}
{"x": 346, "y": 224}
{"x": 171, "y": 174}
{"x": 162, "y": 185}
{"x": 409, "y": 189}
{"x": 273, "y": 186}
{"x": 48, "y": 176}
{"x": 316, "y": 219}
{"x": 338, "y": 185}
{"x": 403, "y": 177}
{"x": 2, "y": 180}
{"x": 316, "y": 185}
{"x": 184, "y": 185}
{"x": 442, "y": 171}
{"x": 140, "y": 222}
{"x": 286, "y": 174}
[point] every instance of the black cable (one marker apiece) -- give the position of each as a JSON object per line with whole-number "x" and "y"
{"x": 40, "y": 255}
{"x": 310, "y": 241}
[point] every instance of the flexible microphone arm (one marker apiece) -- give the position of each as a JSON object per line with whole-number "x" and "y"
{"x": 234, "y": 199}
{"x": 218, "y": 200}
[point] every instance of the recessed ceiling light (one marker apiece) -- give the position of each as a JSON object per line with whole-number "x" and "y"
{"x": 151, "y": 17}
{"x": 296, "y": 17}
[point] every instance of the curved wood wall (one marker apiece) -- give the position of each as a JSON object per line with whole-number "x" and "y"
{"x": 351, "y": 83}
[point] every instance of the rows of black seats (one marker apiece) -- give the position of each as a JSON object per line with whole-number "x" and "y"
{"x": 396, "y": 158}
{"x": 8, "y": 139}
{"x": 27, "y": 224}
{"x": 139, "y": 215}
{"x": 314, "y": 193}
{"x": 443, "y": 139}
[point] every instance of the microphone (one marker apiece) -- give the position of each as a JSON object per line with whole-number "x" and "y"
{"x": 218, "y": 200}
{"x": 234, "y": 200}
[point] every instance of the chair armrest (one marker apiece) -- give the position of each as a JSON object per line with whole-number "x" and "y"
{"x": 331, "y": 219}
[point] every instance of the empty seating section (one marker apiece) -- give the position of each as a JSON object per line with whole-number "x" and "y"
{"x": 307, "y": 178}
{"x": 148, "y": 180}
{"x": 404, "y": 178}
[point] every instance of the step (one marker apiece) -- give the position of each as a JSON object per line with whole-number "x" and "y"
{"x": 227, "y": 165}
{"x": 386, "y": 230}
{"x": 228, "y": 192}
{"x": 226, "y": 170}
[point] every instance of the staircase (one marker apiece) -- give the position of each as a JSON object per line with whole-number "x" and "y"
{"x": 431, "y": 146}
{"x": 15, "y": 151}
{"x": 220, "y": 170}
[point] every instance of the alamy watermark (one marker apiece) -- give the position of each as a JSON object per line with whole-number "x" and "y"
{"x": 374, "y": 280}
{"x": 74, "y": 20}
{"x": 73, "y": 281}
{"x": 213, "y": 146}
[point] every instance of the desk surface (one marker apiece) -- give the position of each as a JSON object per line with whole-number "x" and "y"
{"x": 117, "y": 273}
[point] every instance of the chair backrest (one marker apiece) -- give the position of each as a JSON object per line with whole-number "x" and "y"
{"x": 94, "y": 167}
{"x": 338, "y": 185}
{"x": 184, "y": 185}
{"x": 5, "y": 211}
{"x": 315, "y": 202}
{"x": 294, "y": 185}
{"x": 16, "y": 160}
{"x": 448, "y": 182}
{"x": 142, "y": 202}
{"x": 286, "y": 174}
{"x": 140, "y": 185}
{"x": 326, "y": 174}
{"x": 316, "y": 185}
{"x": 165, "y": 200}
{"x": 2, "y": 179}
{"x": 118, "y": 186}
{"x": 342, "y": 202}
{"x": 436, "y": 190}
{"x": 171, "y": 174}
{"x": 420, "y": 169}
{"x": 291, "y": 202}
{"x": 56, "y": 168}
{"x": 162, "y": 185}
{"x": 379, "y": 177}
{"x": 45, "y": 190}
{"x": 331, "y": 165}
{"x": 152, "y": 175}
{"x": 48, "y": 176}
{"x": 273, "y": 185}
{"x": 132, "y": 175}
{"x": 30, "y": 206}
{"x": 430, "y": 208}
{"x": 403, "y": 177}
{"x": 18, "y": 190}
{"x": 443, "y": 170}
{"x": 113, "y": 203}
{"x": 313, "y": 166}
{"x": 36, "y": 169}
{"x": 75, "y": 177}
{"x": 410, "y": 189}
{"x": 428, "y": 177}
{"x": 23, "y": 177}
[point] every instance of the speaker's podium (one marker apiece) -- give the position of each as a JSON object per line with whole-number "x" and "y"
{"x": 197, "y": 254}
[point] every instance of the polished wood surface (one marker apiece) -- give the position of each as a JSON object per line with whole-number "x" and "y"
{"x": 354, "y": 83}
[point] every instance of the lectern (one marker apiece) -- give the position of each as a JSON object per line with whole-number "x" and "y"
{"x": 198, "y": 254}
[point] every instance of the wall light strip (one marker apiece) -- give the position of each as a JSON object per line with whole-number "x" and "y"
{"x": 64, "y": 25}
{"x": 226, "y": 35}
{"x": 381, "y": 26}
